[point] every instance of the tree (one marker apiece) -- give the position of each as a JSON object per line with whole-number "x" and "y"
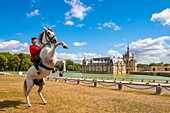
{"x": 71, "y": 66}
{"x": 69, "y": 62}
{"x": 25, "y": 62}
{"x": 155, "y": 64}
{"x": 166, "y": 64}
{"x": 13, "y": 62}
{"x": 142, "y": 65}
{"x": 3, "y": 62}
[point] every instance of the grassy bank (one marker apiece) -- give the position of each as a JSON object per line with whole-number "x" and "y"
{"x": 70, "y": 98}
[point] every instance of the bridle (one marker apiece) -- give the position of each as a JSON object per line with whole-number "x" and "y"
{"x": 48, "y": 39}
{"x": 47, "y": 36}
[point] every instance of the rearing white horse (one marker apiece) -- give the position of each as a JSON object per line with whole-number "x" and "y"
{"x": 48, "y": 61}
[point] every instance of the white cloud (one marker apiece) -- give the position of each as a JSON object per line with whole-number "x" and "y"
{"x": 79, "y": 43}
{"x": 119, "y": 44}
{"x": 34, "y": 13}
{"x": 52, "y": 26}
{"x": 100, "y": 28}
{"x": 70, "y": 23}
{"x": 19, "y": 34}
{"x": 80, "y": 25}
{"x": 63, "y": 56}
{"x": 14, "y": 46}
{"x": 48, "y": 25}
{"x": 151, "y": 50}
{"x": 114, "y": 53}
{"x": 110, "y": 24}
{"x": 78, "y": 9}
{"x": 77, "y": 57}
{"x": 163, "y": 17}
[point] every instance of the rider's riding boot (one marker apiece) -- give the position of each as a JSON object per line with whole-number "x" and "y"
{"x": 38, "y": 72}
{"x": 36, "y": 66}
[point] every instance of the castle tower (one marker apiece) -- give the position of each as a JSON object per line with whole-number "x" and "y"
{"x": 128, "y": 58}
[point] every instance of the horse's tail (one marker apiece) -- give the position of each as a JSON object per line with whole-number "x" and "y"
{"x": 25, "y": 87}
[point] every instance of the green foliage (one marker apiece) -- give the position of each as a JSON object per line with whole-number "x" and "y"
{"x": 156, "y": 64}
{"x": 142, "y": 65}
{"x": 59, "y": 67}
{"x": 25, "y": 62}
{"x": 71, "y": 66}
{"x": 69, "y": 62}
{"x": 166, "y": 64}
{"x": 13, "y": 62}
{"x": 10, "y": 62}
{"x": 3, "y": 62}
{"x": 153, "y": 64}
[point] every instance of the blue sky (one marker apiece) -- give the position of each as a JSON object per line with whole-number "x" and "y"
{"x": 91, "y": 28}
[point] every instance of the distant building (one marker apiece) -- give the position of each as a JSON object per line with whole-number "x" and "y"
{"x": 131, "y": 63}
{"x": 111, "y": 65}
{"x": 153, "y": 68}
{"x": 108, "y": 65}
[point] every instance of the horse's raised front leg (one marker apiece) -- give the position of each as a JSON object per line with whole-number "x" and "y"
{"x": 51, "y": 54}
{"x": 64, "y": 67}
{"x": 39, "y": 91}
{"x": 63, "y": 62}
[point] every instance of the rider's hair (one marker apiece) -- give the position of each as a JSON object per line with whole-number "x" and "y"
{"x": 33, "y": 38}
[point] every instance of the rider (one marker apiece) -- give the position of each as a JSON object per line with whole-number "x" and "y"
{"x": 35, "y": 50}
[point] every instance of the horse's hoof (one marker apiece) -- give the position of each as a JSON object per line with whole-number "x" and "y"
{"x": 45, "y": 103}
{"x": 61, "y": 75}
{"x": 65, "y": 47}
{"x": 29, "y": 105}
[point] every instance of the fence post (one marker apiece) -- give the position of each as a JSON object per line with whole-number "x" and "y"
{"x": 48, "y": 78}
{"x": 78, "y": 81}
{"x": 95, "y": 83}
{"x": 55, "y": 79}
{"x": 65, "y": 80}
{"x": 159, "y": 89}
{"x": 167, "y": 81}
{"x": 120, "y": 87}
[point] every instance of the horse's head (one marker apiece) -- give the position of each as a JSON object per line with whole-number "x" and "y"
{"x": 50, "y": 35}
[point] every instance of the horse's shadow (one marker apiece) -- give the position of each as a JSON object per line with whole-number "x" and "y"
{"x": 9, "y": 103}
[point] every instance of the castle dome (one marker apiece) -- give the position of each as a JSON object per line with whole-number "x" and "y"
{"x": 128, "y": 53}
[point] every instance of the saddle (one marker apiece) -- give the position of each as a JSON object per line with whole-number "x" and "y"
{"x": 39, "y": 63}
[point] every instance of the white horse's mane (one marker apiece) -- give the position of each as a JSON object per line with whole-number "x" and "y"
{"x": 40, "y": 38}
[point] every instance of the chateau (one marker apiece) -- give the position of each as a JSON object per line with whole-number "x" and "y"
{"x": 111, "y": 65}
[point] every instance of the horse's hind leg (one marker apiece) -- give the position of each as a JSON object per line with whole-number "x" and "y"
{"x": 29, "y": 84}
{"x": 41, "y": 85}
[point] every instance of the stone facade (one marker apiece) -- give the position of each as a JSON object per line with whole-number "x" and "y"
{"x": 131, "y": 63}
{"x": 107, "y": 65}
{"x": 111, "y": 65}
{"x": 153, "y": 68}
